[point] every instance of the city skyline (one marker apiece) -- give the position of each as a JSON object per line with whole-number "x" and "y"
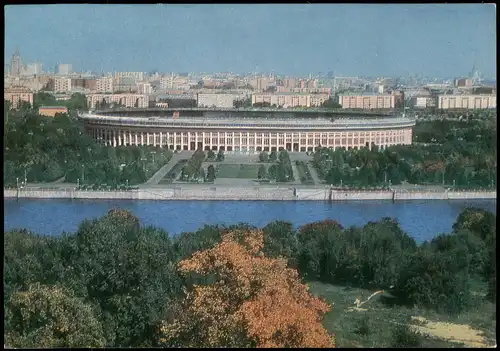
{"x": 387, "y": 40}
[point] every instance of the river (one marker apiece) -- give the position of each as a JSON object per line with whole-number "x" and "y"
{"x": 421, "y": 219}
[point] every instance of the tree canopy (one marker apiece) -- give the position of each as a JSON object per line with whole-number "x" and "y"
{"x": 252, "y": 301}
{"x": 128, "y": 285}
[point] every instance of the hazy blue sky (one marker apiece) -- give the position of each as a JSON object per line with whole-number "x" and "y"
{"x": 437, "y": 40}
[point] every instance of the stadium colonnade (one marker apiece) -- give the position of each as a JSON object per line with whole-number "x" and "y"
{"x": 246, "y": 131}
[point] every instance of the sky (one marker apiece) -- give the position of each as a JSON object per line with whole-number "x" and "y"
{"x": 444, "y": 40}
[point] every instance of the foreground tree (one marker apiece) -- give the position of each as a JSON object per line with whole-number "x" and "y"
{"x": 51, "y": 317}
{"x": 250, "y": 301}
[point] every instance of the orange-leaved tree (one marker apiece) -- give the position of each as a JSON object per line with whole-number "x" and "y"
{"x": 249, "y": 301}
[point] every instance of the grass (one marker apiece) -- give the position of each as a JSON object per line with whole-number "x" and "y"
{"x": 174, "y": 172}
{"x": 241, "y": 171}
{"x": 304, "y": 174}
{"x": 249, "y": 171}
{"x": 227, "y": 171}
{"x": 376, "y": 324}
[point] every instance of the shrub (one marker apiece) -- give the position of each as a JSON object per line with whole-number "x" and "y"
{"x": 404, "y": 337}
{"x": 435, "y": 279}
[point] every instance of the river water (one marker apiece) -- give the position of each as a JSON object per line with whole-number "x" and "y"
{"x": 421, "y": 219}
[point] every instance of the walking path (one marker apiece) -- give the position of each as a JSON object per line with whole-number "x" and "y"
{"x": 162, "y": 172}
{"x": 296, "y": 174}
{"x": 314, "y": 173}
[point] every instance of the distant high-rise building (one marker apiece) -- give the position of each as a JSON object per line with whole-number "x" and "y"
{"x": 16, "y": 65}
{"x": 64, "y": 69}
{"x": 463, "y": 83}
{"x": 34, "y": 68}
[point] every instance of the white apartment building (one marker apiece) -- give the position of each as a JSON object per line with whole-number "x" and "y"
{"x": 324, "y": 90}
{"x": 166, "y": 83}
{"x": 290, "y": 99}
{"x": 138, "y": 76}
{"x": 424, "y": 101}
{"x": 105, "y": 85}
{"x": 175, "y": 82}
{"x": 367, "y": 101}
{"x": 64, "y": 69}
{"x": 127, "y": 100}
{"x": 145, "y": 88}
{"x": 62, "y": 85}
{"x": 488, "y": 101}
{"x": 218, "y": 100}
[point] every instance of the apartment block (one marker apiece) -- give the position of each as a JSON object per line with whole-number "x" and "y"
{"x": 488, "y": 101}
{"x": 104, "y": 85}
{"x": 17, "y": 94}
{"x": 218, "y": 100}
{"x": 262, "y": 83}
{"x": 424, "y": 101}
{"x": 367, "y": 102}
{"x": 290, "y": 99}
{"x": 137, "y": 76}
{"x": 174, "y": 82}
{"x": 145, "y": 88}
{"x": 281, "y": 89}
{"x": 127, "y": 100}
{"x": 91, "y": 84}
{"x": 463, "y": 83}
{"x": 62, "y": 85}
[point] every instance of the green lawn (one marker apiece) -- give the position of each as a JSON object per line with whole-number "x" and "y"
{"x": 249, "y": 171}
{"x": 237, "y": 171}
{"x": 373, "y": 325}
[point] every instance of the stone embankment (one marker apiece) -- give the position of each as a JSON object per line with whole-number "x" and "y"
{"x": 246, "y": 193}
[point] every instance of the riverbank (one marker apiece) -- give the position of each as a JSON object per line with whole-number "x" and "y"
{"x": 248, "y": 194}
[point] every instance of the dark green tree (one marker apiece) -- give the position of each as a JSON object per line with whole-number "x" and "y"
{"x": 211, "y": 173}
{"x": 262, "y": 173}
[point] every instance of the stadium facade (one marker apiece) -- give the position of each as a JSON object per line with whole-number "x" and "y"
{"x": 246, "y": 131}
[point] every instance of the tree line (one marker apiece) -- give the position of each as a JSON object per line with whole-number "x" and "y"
{"x": 115, "y": 283}
{"x": 280, "y": 169}
{"x": 459, "y": 154}
{"x": 45, "y": 149}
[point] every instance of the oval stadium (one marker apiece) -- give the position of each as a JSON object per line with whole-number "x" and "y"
{"x": 246, "y": 131}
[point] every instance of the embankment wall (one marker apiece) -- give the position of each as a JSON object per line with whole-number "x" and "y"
{"x": 240, "y": 193}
